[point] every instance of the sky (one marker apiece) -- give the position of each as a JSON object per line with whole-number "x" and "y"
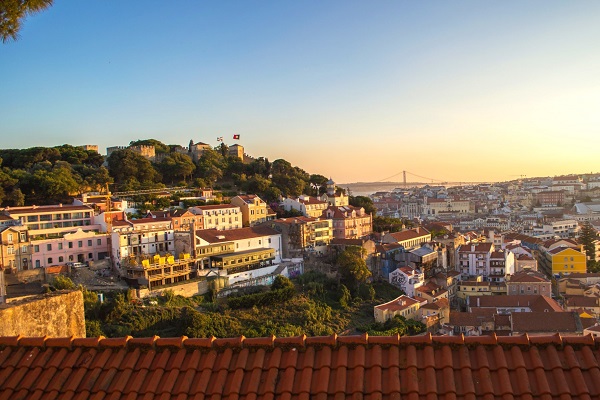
{"x": 358, "y": 91}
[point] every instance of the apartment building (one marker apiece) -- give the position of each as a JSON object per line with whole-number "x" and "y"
{"x": 349, "y": 222}
{"x": 308, "y": 206}
{"x": 221, "y": 216}
{"x": 254, "y": 209}
{"x": 473, "y": 259}
{"x": 332, "y": 198}
{"x": 183, "y": 220}
{"x": 407, "y": 279}
{"x": 15, "y": 251}
{"x": 404, "y": 306}
{"x": 408, "y": 238}
{"x": 239, "y": 254}
{"x": 502, "y": 263}
{"x": 303, "y": 234}
{"x": 132, "y": 241}
{"x": 528, "y": 282}
{"x": 76, "y": 247}
{"x": 53, "y": 221}
{"x": 550, "y": 198}
{"x": 450, "y": 205}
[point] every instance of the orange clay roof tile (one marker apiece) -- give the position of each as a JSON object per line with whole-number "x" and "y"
{"x": 327, "y": 367}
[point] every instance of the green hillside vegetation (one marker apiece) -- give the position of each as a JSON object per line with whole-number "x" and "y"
{"x": 313, "y": 305}
{"x": 51, "y": 175}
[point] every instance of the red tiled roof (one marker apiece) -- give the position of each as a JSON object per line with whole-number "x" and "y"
{"x": 150, "y": 220}
{"x": 215, "y": 207}
{"x": 538, "y": 322}
{"x": 216, "y": 236}
{"x": 558, "y": 250}
{"x": 475, "y": 248}
{"x": 582, "y": 301}
{"x": 528, "y": 276}
{"x": 331, "y": 367}
{"x": 535, "y": 302}
{"x": 311, "y": 200}
{"x": 46, "y": 209}
{"x": 409, "y": 234}
{"x": 399, "y": 303}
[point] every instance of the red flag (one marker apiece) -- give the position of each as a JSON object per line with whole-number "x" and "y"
{"x": 236, "y": 137}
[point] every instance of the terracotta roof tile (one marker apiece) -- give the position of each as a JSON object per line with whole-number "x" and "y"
{"x": 328, "y": 367}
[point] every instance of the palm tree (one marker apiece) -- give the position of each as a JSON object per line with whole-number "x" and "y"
{"x": 12, "y": 13}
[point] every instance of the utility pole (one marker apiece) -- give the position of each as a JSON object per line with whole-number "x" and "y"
{"x": 404, "y": 176}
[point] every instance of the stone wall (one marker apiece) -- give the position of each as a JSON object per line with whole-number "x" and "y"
{"x": 57, "y": 314}
{"x": 183, "y": 289}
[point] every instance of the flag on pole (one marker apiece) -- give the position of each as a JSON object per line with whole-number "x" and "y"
{"x": 220, "y": 139}
{"x": 236, "y": 137}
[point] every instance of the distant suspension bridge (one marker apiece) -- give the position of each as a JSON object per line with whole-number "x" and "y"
{"x": 426, "y": 179}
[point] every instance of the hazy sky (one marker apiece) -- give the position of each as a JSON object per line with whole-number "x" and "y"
{"x": 359, "y": 91}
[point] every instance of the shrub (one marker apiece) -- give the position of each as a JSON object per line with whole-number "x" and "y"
{"x": 261, "y": 299}
{"x": 62, "y": 282}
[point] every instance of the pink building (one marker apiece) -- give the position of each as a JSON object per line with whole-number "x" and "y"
{"x": 76, "y": 247}
{"x": 349, "y": 222}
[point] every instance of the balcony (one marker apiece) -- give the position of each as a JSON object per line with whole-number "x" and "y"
{"x": 233, "y": 262}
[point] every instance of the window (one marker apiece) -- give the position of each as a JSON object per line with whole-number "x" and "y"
{"x": 24, "y": 249}
{"x": 36, "y": 248}
{"x": 60, "y": 246}
{"x": 90, "y": 256}
{"x": 49, "y": 247}
{"x": 70, "y": 245}
{"x": 80, "y": 243}
{"x": 10, "y": 250}
{"x": 61, "y": 259}
{"x": 90, "y": 243}
{"x": 37, "y": 263}
{"x": 99, "y": 242}
{"x": 49, "y": 260}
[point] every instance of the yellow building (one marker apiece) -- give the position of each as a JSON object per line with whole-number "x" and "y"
{"x": 474, "y": 287}
{"x": 404, "y": 306}
{"x": 566, "y": 260}
{"x": 254, "y": 210}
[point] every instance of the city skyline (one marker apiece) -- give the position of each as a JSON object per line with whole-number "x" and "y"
{"x": 356, "y": 91}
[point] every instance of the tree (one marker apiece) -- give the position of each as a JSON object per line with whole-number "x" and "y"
{"x": 176, "y": 166}
{"x": 319, "y": 183}
{"x": 210, "y": 167}
{"x": 281, "y": 282}
{"x": 352, "y": 265}
{"x": 13, "y": 12}
{"x": 387, "y": 224}
{"x": 62, "y": 282}
{"x": 345, "y": 296}
{"x": 587, "y": 236}
{"x": 364, "y": 202}
{"x": 128, "y": 167}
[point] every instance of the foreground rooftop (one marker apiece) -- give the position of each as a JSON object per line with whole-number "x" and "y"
{"x": 330, "y": 367}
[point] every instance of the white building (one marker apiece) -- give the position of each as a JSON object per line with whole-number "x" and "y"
{"x": 308, "y": 206}
{"x": 407, "y": 279}
{"x": 138, "y": 239}
{"x": 240, "y": 254}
